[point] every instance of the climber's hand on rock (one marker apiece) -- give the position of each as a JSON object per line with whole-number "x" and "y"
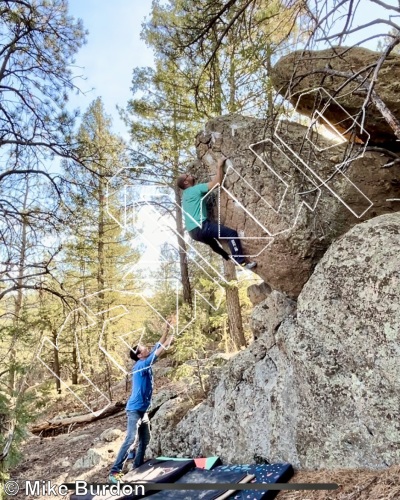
{"x": 219, "y": 174}
{"x": 221, "y": 161}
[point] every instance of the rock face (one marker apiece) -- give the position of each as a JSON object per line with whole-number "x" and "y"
{"x": 323, "y": 391}
{"x": 287, "y": 214}
{"x": 302, "y": 71}
{"x": 258, "y": 293}
{"x": 268, "y": 315}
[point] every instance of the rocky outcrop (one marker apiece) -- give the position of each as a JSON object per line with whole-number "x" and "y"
{"x": 287, "y": 199}
{"x": 301, "y": 71}
{"x": 268, "y": 315}
{"x": 323, "y": 390}
{"x": 257, "y": 293}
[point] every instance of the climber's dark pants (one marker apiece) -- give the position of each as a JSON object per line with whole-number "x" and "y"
{"x": 210, "y": 232}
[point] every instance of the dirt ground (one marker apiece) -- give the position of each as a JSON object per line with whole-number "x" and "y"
{"x": 54, "y": 459}
{"x": 51, "y": 459}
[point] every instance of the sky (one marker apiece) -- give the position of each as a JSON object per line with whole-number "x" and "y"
{"x": 113, "y": 49}
{"x": 107, "y": 60}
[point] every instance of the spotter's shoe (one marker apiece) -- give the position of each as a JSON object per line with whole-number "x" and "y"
{"x": 115, "y": 477}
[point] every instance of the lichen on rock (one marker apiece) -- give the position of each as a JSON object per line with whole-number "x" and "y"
{"x": 326, "y": 392}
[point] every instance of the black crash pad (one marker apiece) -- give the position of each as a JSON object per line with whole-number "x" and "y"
{"x": 200, "y": 476}
{"x": 264, "y": 473}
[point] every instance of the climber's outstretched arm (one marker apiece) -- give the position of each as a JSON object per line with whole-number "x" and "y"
{"x": 164, "y": 345}
{"x": 220, "y": 174}
{"x": 165, "y": 334}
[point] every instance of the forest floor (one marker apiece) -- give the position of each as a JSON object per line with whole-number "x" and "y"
{"x": 56, "y": 459}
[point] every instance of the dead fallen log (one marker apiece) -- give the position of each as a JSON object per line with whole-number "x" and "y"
{"x": 61, "y": 426}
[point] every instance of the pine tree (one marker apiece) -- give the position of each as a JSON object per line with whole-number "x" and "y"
{"x": 225, "y": 48}
{"x": 97, "y": 254}
{"x": 162, "y": 122}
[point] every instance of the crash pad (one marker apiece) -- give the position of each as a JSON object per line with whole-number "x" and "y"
{"x": 198, "y": 475}
{"x": 159, "y": 471}
{"x": 201, "y": 462}
{"x": 264, "y": 473}
{"x": 152, "y": 471}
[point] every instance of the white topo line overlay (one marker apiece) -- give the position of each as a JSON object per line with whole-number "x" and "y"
{"x": 341, "y": 139}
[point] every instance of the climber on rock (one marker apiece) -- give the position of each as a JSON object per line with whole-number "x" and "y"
{"x": 199, "y": 227}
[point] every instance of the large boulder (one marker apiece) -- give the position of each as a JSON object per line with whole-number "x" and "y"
{"x": 323, "y": 391}
{"x": 288, "y": 211}
{"x": 300, "y": 72}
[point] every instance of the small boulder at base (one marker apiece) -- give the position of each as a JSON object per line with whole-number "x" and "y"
{"x": 110, "y": 435}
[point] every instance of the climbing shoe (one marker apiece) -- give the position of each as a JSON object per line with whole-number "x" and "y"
{"x": 115, "y": 477}
{"x": 249, "y": 265}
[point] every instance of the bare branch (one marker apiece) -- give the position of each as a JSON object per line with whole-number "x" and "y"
{"x": 378, "y": 66}
{"x": 37, "y": 287}
{"x": 212, "y": 21}
{"x": 359, "y": 28}
{"x": 385, "y": 5}
{"x": 29, "y": 172}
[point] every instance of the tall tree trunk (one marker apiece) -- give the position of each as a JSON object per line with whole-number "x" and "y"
{"x": 231, "y": 79}
{"x": 217, "y": 89}
{"x": 56, "y": 367}
{"x": 270, "y": 93}
{"x": 183, "y": 264}
{"x": 101, "y": 279}
{"x": 233, "y": 307}
{"x": 100, "y": 245}
{"x": 216, "y": 77}
{"x": 232, "y": 293}
{"x": 19, "y": 296}
{"x": 75, "y": 366}
{"x": 83, "y": 341}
